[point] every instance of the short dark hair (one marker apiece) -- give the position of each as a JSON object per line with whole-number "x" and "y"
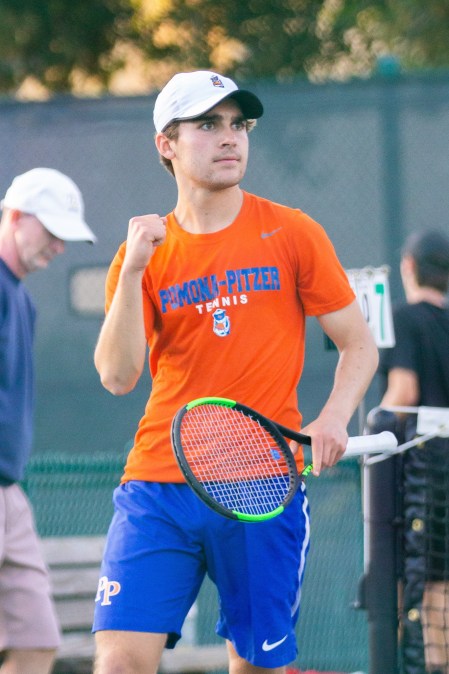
{"x": 430, "y": 250}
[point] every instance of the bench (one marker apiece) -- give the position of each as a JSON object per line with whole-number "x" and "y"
{"x": 74, "y": 563}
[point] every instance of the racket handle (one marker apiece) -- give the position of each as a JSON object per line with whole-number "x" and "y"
{"x": 371, "y": 444}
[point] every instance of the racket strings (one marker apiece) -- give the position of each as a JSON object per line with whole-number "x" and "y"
{"x": 236, "y": 459}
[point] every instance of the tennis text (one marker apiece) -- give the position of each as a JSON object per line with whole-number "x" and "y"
{"x": 221, "y": 302}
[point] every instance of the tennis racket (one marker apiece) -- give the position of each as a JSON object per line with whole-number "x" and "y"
{"x": 238, "y": 461}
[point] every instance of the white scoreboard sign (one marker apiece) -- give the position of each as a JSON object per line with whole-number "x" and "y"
{"x": 373, "y": 294}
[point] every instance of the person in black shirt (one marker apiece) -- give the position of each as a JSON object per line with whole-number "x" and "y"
{"x": 416, "y": 372}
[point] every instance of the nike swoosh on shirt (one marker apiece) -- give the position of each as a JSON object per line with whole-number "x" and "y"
{"x": 265, "y": 235}
{"x": 269, "y": 647}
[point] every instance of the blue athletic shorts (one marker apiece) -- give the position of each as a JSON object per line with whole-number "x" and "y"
{"x": 161, "y": 543}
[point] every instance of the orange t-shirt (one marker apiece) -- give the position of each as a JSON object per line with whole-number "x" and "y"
{"x": 225, "y": 316}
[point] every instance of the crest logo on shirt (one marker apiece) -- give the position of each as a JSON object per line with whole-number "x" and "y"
{"x": 222, "y": 323}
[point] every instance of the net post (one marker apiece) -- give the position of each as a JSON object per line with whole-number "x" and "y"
{"x": 380, "y": 595}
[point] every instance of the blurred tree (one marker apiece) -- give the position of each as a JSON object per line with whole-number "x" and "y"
{"x": 286, "y": 38}
{"x": 255, "y": 38}
{"x": 49, "y": 40}
{"x": 360, "y": 32}
{"x": 118, "y": 44}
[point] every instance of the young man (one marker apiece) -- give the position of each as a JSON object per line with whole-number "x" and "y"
{"x": 42, "y": 209}
{"x": 219, "y": 290}
{"x": 417, "y": 373}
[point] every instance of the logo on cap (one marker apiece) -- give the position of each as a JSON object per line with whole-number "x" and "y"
{"x": 216, "y": 81}
{"x": 73, "y": 204}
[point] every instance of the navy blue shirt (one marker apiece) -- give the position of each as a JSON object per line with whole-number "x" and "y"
{"x": 17, "y": 321}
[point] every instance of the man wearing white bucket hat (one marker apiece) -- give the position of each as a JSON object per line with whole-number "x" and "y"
{"x": 42, "y": 209}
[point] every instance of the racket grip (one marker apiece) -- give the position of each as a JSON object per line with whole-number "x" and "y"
{"x": 370, "y": 444}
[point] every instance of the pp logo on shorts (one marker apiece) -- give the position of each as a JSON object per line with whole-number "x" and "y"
{"x": 109, "y": 588}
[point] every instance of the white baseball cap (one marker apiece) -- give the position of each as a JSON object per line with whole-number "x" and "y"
{"x": 54, "y": 199}
{"x": 189, "y": 95}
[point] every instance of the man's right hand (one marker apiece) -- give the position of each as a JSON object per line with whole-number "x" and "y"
{"x": 145, "y": 233}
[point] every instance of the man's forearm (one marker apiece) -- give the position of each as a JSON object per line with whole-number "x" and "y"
{"x": 355, "y": 369}
{"x": 121, "y": 347}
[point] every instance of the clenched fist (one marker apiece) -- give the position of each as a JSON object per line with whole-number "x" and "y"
{"x": 145, "y": 232}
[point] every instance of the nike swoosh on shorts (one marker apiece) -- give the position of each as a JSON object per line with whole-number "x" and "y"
{"x": 269, "y": 647}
